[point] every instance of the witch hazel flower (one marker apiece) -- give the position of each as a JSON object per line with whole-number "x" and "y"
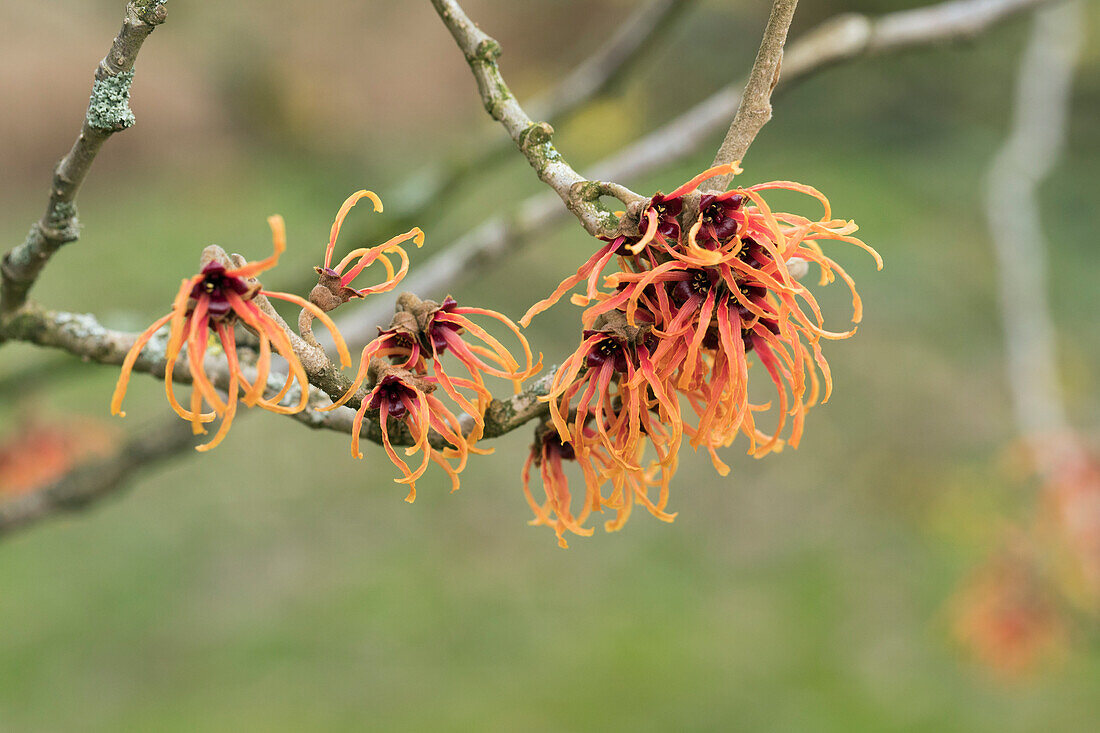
{"x": 1007, "y": 615}
{"x": 610, "y": 379}
{"x": 729, "y": 290}
{"x": 423, "y": 331}
{"x": 555, "y": 510}
{"x": 658, "y": 226}
{"x": 555, "y": 506}
{"x": 402, "y": 396}
{"x": 216, "y": 301}
{"x": 334, "y": 283}
{"x": 713, "y": 281}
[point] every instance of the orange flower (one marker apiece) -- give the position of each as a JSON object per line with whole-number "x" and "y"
{"x": 1005, "y": 617}
{"x": 422, "y": 331}
{"x": 628, "y": 485}
{"x": 708, "y": 280}
{"x": 1072, "y": 491}
{"x": 612, "y": 378}
{"x": 39, "y": 452}
{"x": 214, "y": 301}
{"x": 399, "y": 394}
{"x": 334, "y": 284}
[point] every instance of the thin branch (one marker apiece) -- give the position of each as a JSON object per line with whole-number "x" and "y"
{"x": 843, "y": 38}
{"x": 90, "y": 482}
{"x": 1032, "y": 149}
{"x": 593, "y": 78}
{"x": 82, "y": 335}
{"x": 108, "y": 113}
{"x": 532, "y": 138}
{"x": 755, "y": 108}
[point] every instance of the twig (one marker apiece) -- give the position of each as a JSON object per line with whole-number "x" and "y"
{"x": 755, "y": 108}
{"x": 843, "y": 38}
{"x": 108, "y": 113}
{"x": 1032, "y": 149}
{"x": 594, "y": 77}
{"x": 88, "y": 483}
{"x": 532, "y": 138}
{"x": 82, "y": 335}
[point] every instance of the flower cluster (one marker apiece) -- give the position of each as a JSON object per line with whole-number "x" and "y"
{"x": 215, "y": 301}
{"x": 706, "y": 279}
{"x": 421, "y": 333}
{"x": 412, "y": 358}
{"x": 225, "y": 295}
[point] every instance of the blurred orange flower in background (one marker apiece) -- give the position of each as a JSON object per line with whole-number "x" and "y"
{"x": 39, "y": 451}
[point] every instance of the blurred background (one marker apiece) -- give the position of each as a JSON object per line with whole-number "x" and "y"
{"x": 278, "y": 584}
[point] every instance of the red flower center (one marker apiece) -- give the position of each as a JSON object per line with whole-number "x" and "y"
{"x": 214, "y": 286}
{"x": 388, "y": 395}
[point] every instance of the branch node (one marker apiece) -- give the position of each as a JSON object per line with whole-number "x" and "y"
{"x": 537, "y": 133}
{"x": 151, "y": 12}
{"x": 488, "y": 51}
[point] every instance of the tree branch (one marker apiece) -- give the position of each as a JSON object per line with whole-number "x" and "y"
{"x": 1027, "y": 157}
{"x": 843, "y": 38}
{"x": 755, "y": 108}
{"x": 532, "y": 138}
{"x": 1067, "y": 469}
{"x": 82, "y": 335}
{"x": 594, "y": 77}
{"x": 108, "y": 113}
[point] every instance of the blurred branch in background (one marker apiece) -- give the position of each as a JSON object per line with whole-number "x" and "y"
{"x": 1070, "y": 474}
{"x": 1034, "y": 147}
{"x": 593, "y": 78}
{"x": 1008, "y": 612}
{"x": 108, "y": 112}
{"x": 30, "y": 377}
{"x": 846, "y": 37}
{"x": 843, "y": 38}
{"x": 91, "y": 481}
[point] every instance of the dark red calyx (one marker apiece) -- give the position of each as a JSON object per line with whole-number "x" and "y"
{"x": 698, "y": 282}
{"x": 607, "y": 350}
{"x": 753, "y": 253}
{"x": 436, "y": 330}
{"x": 388, "y": 393}
{"x": 552, "y": 443}
{"x": 215, "y": 285}
{"x": 548, "y": 441}
{"x": 719, "y": 224}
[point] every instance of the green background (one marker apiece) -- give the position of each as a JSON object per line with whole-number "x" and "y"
{"x": 278, "y": 584}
